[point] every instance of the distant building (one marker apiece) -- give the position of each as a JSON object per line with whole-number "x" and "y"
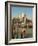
{"x": 20, "y": 23}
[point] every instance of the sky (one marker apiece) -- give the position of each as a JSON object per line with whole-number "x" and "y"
{"x": 18, "y": 10}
